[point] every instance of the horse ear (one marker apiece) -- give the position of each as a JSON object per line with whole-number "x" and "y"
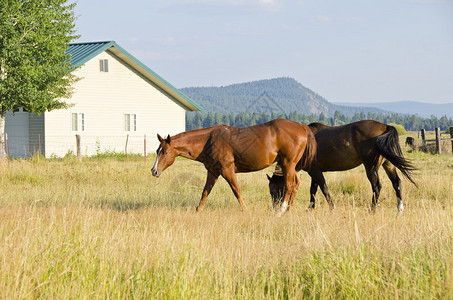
{"x": 168, "y": 139}
{"x": 159, "y": 138}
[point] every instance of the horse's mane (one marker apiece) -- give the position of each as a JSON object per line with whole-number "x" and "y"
{"x": 315, "y": 127}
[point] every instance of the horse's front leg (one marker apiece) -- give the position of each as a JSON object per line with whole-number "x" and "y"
{"x": 293, "y": 194}
{"x": 313, "y": 190}
{"x": 290, "y": 173}
{"x": 318, "y": 179}
{"x": 230, "y": 176}
{"x": 210, "y": 181}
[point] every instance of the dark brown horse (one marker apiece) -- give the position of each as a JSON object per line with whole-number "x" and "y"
{"x": 345, "y": 147}
{"x": 226, "y": 150}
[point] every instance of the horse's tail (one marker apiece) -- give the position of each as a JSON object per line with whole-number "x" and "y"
{"x": 309, "y": 153}
{"x": 387, "y": 145}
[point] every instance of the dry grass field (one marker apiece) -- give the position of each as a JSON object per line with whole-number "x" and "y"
{"x": 105, "y": 228}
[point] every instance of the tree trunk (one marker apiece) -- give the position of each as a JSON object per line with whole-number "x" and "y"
{"x": 3, "y": 75}
{"x": 2, "y": 136}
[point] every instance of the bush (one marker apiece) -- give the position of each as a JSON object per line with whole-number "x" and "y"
{"x": 400, "y": 128}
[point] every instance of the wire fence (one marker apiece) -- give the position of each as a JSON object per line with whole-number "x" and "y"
{"x": 60, "y": 146}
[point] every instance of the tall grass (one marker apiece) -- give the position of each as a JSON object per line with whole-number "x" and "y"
{"x": 105, "y": 228}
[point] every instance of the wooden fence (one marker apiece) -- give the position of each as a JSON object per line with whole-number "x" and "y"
{"x": 427, "y": 144}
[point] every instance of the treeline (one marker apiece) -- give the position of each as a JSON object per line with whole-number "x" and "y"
{"x": 410, "y": 122}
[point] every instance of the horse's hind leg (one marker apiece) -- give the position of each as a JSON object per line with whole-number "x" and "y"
{"x": 390, "y": 169}
{"x": 230, "y": 177}
{"x": 373, "y": 177}
{"x": 210, "y": 181}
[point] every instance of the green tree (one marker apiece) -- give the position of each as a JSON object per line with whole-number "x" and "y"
{"x": 232, "y": 119}
{"x": 337, "y": 118}
{"x": 209, "y": 120}
{"x": 197, "y": 121}
{"x": 35, "y": 72}
{"x": 217, "y": 118}
{"x": 225, "y": 119}
{"x": 323, "y": 119}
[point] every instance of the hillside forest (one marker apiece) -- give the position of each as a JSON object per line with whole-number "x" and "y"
{"x": 410, "y": 122}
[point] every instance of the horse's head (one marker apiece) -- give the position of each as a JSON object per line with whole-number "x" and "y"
{"x": 276, "y": 189}
{"x": 166, "y": 155}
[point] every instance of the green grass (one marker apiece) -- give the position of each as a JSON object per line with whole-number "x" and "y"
{"x": 105, "y": 228}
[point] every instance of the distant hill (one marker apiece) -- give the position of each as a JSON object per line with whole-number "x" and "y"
{"x": 424, "y": 110}
{"x": 279, "y": 95}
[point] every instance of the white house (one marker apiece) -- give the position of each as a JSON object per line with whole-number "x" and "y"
{"x": 117, "y": 99}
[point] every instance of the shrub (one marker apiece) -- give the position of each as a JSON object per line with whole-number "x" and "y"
{"x": 400, "y": 128}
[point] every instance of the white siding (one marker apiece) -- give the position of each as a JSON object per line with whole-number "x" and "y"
{"x": 105, "y": 97}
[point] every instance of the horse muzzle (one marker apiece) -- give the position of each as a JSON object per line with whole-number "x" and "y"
{"x": 155, "y": 172}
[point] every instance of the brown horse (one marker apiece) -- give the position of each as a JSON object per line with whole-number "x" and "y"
{"x": 345, "y": 147}
{"x": 226, "y": 150}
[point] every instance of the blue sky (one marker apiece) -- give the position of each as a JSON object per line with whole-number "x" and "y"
{"x": 350, "y": 50}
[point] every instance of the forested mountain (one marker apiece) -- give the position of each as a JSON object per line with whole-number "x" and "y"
{"x": 425, "y": 110}
{"x": 279, "y": 95}
{"x": 256, "y": 102}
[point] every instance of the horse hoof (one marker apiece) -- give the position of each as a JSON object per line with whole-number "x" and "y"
{"x": 399, "y": 213}
{"x": 278, "y": 213}
{"x": 400, "y": 206}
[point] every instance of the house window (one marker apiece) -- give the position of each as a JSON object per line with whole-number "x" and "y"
{"x": 78, "y": 121}
{"x": 104, "y": 65}
{"x": 130, "y": 122}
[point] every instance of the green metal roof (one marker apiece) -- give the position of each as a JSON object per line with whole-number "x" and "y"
{"x": 83, "y": 52}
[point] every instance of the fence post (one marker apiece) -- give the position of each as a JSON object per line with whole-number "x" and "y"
{"x": 438, "y": 148}
{"x": 125, "y": 148}
{"x": 144, "y": 147}
{"x": 79, "y": 149}
{"x": 423, "y": 139}
{"x": 451, "y": 137}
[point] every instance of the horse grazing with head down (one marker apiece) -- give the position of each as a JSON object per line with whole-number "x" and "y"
{"x": 345, "y": 147}
{"x": 226, "y": 150}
